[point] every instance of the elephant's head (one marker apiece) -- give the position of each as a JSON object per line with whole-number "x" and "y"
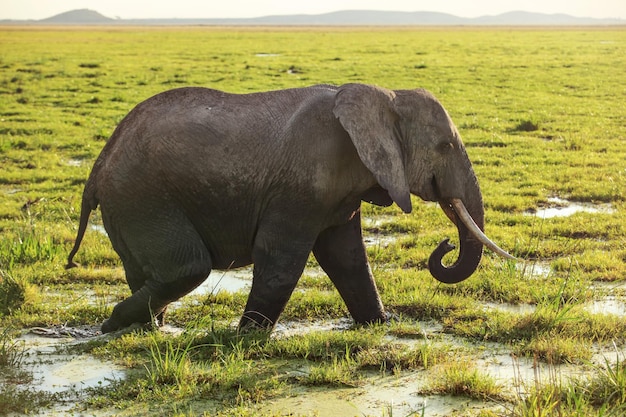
{"x": 409, "y": 143}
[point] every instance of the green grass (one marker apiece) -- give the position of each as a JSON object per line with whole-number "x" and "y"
{"x": 601, "y": 393}
{"x": 461, "y": 377}
{"x": 541, "y": 112}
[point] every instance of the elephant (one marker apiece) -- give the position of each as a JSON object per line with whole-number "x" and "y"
{"x": 195, "y": 179}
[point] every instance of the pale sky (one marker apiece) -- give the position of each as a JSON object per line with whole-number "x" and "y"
{"x": 129, "y": 9}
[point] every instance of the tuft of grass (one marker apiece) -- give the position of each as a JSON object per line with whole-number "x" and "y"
{"x": 461, "y": 377}
{"x": 340, "y": 372}
{"x": 170, "y": 362}
{"x": 608, "y": 385}
{"x": 602, "y": 393}
{"x": 12, "y": 353}
{"x": 28, "y": 246}
{"x": 15, "y": 400}
{"x": 12, "y": 294}
{"x": 398, "y": 357}
{"x": 15, "y": 293}
{"x": 556, "y": 349}
{"x": 527, "y": 126}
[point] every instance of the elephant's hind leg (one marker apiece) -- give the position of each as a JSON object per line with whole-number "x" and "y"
{"x": 173, "y": 265}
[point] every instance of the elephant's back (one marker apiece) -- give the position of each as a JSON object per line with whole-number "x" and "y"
{"x": 199, "y": 134}
{"x": 194, "y": 154}
{"x": 219, "y": 159}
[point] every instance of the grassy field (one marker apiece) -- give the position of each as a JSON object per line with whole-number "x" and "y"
{"x": 543, "y": 115}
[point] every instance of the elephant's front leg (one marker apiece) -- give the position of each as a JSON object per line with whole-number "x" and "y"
{"x": 278, "y": 264}
{"x": 341, "y": 253}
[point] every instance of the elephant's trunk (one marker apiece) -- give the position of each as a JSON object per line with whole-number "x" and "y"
{"x": 470, "y": 250}
{"x": 470, "y": 224}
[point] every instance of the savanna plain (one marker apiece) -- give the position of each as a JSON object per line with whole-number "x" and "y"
{"x": 543, "y": 115}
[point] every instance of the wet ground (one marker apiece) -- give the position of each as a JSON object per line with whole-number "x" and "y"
{"x": 56, "y": 370}
{"x": 71, "y": 374}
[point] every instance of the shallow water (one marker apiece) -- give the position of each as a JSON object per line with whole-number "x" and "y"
{"x": 608, "y": 305}
{"x": 533, "y": 270}
{"x": 232, "y": 280}
{"x": 559, "y": 207}
{"x": 56, "y": 371}
{"x": 381, "y": 396}
{"x": 511, "y": 308}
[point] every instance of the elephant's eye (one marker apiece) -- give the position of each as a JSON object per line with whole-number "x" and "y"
{"x": 446, "y": 146}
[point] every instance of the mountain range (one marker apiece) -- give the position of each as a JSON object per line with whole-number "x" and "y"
{"x": 345, "y": 17}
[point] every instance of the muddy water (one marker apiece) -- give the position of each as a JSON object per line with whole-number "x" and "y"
{"x": 400, "y": 395}
{"x": 56, "y": 371}
{"x": 381, "y": 396}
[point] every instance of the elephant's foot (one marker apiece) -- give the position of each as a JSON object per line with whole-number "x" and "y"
{"x": 131, "y": 311}
{"x": 384, "y": 318}
{"x": 109, "y": 327}
{"x": 254, "y": 321}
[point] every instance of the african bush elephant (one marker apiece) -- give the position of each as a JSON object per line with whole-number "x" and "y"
{"x": 195, "y": 179}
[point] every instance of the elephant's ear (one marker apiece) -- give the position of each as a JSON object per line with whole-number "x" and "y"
{"x": 367, "y": 114}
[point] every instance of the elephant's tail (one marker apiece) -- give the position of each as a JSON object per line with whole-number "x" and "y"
{"x": 89, "y": 203}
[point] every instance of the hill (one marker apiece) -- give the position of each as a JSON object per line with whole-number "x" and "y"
{"x": 345, "y": 17}
{"x": 81, "y": 17}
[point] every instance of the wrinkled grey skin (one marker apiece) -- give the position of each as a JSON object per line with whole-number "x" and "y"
{"x": 195, "y": 179}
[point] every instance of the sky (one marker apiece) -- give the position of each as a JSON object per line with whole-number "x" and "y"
{"x": 141, "y": 9}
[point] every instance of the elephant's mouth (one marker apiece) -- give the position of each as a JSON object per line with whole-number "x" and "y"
{"x": 430, "y": 191}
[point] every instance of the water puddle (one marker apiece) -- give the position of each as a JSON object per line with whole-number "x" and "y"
{"x": 240, "y": 279}
{"x": 608, "y": 305}
{"x": 75, "y": 162}
{"x": 519, "y": 374}
{"x": 98, "y": 228}
{"x": 294, "y": 328}
{"x": 265, "y": 55}
{"x": 511, "y": 308}
{"x": 379, "y": 240}
{"x": 381, "y": 396}
{"x": 374, "y": 222}
{"x": 374, "y": 236}
{"x": 233, "y": 280}
{"x": 559, "y": 207}
{"x": 535, "y": 270}
{"x": 55, "y": 370}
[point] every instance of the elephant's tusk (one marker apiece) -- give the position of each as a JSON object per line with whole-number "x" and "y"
{"x": 467, "y": 220}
